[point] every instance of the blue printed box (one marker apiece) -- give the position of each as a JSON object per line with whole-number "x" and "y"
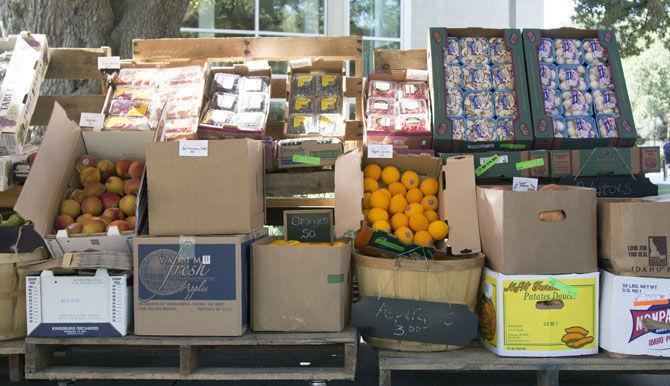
{"x": 192, "y": 286}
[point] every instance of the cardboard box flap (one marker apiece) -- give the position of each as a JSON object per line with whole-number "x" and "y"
{"x": 44, "y": 189}
{"x": 348, "y": 192}
{"x": 458, "y": 204}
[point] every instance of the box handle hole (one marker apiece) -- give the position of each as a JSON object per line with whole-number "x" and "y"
{"x": 552, "y": 216}
{"x": 549, "y": 305}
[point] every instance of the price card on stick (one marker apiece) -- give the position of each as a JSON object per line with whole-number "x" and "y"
{"x": 314, "y": 226}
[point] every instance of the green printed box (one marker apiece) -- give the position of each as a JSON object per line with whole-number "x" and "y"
{"x": 605, "y": 161}
{"x": 543, "y": 123}
{"x": 449, "y": 132}
{"x": 509, "y": 164}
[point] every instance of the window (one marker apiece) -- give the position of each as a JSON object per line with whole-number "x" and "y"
{"x": 378, "y": 21}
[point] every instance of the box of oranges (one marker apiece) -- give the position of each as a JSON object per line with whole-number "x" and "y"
{"x": 414, "y": 197}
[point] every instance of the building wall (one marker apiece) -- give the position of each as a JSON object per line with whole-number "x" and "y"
{"x": 470, "y": 13}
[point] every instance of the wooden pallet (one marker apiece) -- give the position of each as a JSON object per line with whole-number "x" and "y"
{"x": 477, "y": 358}
{"x": 195, "y": 358}
{"x": 14, "y": 350}
{"x": 385, "y": 59}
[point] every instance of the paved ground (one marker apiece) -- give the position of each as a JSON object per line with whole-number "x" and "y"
{"x": 367, "y": 375}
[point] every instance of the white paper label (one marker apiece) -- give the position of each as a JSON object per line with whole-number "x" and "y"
{"x": 413, "y": 74}
{"x": 380, "y": 150}
{"x": 502, "y": 159}
{"x": 193, "y": 148}
{"x": 94, "y": 120}
{"x": 298, "y": 63}
{"x": 522, "y": 184}
{"x": 255, "y": 65}
{"x": 109, "y": 62}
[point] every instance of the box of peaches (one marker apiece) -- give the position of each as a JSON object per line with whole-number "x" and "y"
{"x": 81, "y": 191}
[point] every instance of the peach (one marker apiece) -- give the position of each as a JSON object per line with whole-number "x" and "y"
{"x": 73, "y": 229}
{"x": 92, "y": 205}
{"x": 132, "y": 186}
{"x": 93, "y": 225}
{"x": 106, "y": 220}
{"x": 122, "y": 167}
{"x": 131, "y": 222}
{"x": 81, "y": 219}
{"x": 94, "y": 189}
{"x": 114, "y": 184}
{"x": 89, "y": 175}
{"x": 120, "y": 224}
{"x": 110, "y": 200}
{"x": 77, "y": 195}
{"x": 113, "y": 214}
{"x": 63, "y": 220}
{"x": 136, "y": 169}
{"x": 71, "y": 207}
{"x": 106, "y": 167}
{"x": 87, "y": 161}
{"x": 127, "y": 205}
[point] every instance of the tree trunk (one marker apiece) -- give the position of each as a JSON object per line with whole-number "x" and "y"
{"x": 91, "y": 23}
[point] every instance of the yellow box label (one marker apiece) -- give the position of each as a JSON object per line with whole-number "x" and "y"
{"x": 540, "y": 317}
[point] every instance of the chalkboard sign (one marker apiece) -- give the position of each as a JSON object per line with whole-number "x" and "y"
{"x": 413, "y": 320}
{"x": 314, "y": 226}
{"x": 614, "y": 186}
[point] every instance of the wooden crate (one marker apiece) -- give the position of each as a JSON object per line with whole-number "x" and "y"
{"x": 287, "y": 190}
{"x": 14, "y": 350}
{"x": 400, "y": 59}
{"x": 193, "y": 358}
{"x": 477, "y": 358}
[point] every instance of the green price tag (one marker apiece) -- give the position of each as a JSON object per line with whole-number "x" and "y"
{"x": 531, "y": 163}
{"x": 305, "y": 159}
{"x": 487, "y": 165}
{"x": 512, "y": 146}
{"x": 566, "y": 289}
{"x": 335, "y": 278}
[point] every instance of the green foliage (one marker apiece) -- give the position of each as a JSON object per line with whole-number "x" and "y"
{"x": 638, "y": 23}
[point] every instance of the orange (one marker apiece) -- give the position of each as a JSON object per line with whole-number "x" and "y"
{"x": 370, "y": 185}
{"x": 423, "y": 238}
{"x": 386, "y": 192}
{"x": 390, "y": 174}
{"x": 410, "y": 179}
{"x": 397, "y": 188}
{"x": 372, "y": 171}
{"x": 429, "y": 186}
{"x": 338, "y": 243}
{"x": 431, "y": 215}
{"x": 429, "y": 202}
{"x": 376, "y": 214}
{"x": 293, "y": 242}
{"x": 379, "y": 200}
{"x": 404, "y": 234}
{"x": 414, "y": 195}
{"x": 399, "y": 220}
{"x": 397, "y": 204}
{"x": 438, "y": 230}
{"x": 381, "y": 225}
{"x": 366, "y": 200}
{"x": 418, "y": 222}
{"x": 413, "y": 208}
{"x": 278, "y": 242}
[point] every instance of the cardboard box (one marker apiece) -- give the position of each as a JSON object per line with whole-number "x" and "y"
{"x": 506, "y": 166}
{"x": 53, "y": 176}
{"x": 192, "y": 286}
{"x": 456, "y": 195}
{"x": 633, "y": 236}
{"x": 605, "y": 161}
{"x": 539, "y": 315}
{"x": 306, "y": 66}
{"x": 319, "y": 153}
{"x": 218, "y": 191}
{"x": 515, "y": 240}
{"x": 543, "y": 125}
{"x": 443, "y": 127}
{"x": 635, "y": 315}
{"x": 410, "y": 139}
{"x": 211, "y": 131}
{"x": 21, "y": 87}
{"x": 78, "y": 306}
{"x": 316, "y": 297}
